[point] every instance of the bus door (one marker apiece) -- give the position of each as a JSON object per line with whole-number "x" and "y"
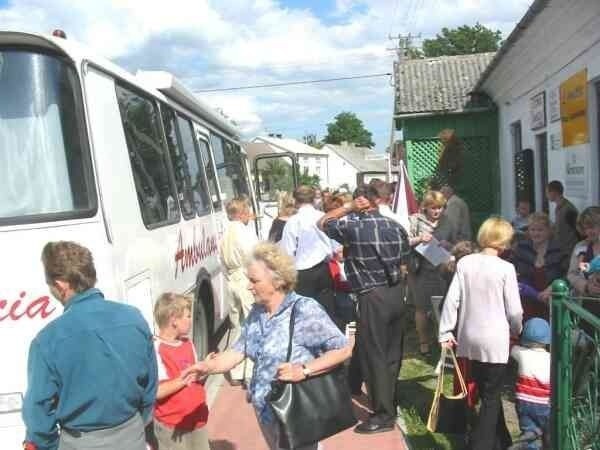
{"x": 273, "y": 174}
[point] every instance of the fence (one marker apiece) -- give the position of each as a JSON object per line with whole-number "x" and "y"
{"x": 575, "y": 371}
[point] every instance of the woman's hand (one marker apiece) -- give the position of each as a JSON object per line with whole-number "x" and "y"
{"x": 448, "y": 344}
{"x": 290, "y": 372}
{"x": 545, "y": 295}
{"x": 425, "y": 237}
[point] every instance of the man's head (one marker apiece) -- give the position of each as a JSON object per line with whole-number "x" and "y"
{"x": 379, "y": 192}
{"x": 447, "y": 190}
{"x": 554, "y": 191}
{"x": 69, "y": 269}
{"x": 304, "y": 195}
{"x": 523, "y": 207}
{"x": 238, "y": 209}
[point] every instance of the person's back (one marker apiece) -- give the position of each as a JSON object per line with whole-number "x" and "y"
{"x": 485, "y": 314}
{"x": 92, "y": 371}
{"x": 97, "y": 343}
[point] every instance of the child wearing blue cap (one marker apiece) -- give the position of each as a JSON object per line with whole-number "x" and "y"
{"x": 532, "y": 390}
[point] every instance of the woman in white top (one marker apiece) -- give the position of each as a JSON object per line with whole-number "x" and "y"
{"x": 484, "y": 306}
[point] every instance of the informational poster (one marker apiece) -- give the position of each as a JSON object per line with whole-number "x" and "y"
{"x": 573, "y": 110}
{"x": 555, "y": 143}
{"x": 537, "y": 111}
{"x": 576, "y": 175}
{"x": 554, "y": 104}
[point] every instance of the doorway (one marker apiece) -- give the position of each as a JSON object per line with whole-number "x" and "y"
{"x": 541, "y": 143}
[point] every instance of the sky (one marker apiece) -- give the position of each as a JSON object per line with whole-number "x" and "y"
{"x": 231, "y": 43}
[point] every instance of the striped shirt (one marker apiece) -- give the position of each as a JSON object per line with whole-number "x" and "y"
{"x": 375, "y": 247}
{"x": 533, "y": 382}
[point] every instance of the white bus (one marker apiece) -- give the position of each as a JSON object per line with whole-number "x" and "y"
{"x": 135, "y": 168}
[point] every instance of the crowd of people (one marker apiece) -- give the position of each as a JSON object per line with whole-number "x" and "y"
{"x": 98, "y": 378}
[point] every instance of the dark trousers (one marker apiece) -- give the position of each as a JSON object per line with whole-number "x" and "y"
{"x": 490, "y": 432}
{"x": 380, "y": 339}
{"x": 316, "y": 282}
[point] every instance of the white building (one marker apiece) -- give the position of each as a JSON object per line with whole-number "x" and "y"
{"x": 311, "y": 160}
{"x": 336, "y": 165}
{"x": 347, "y": 160}
{"x": 545, "y": 81}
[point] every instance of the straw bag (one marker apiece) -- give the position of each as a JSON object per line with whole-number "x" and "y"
{"x": 448, "y": 413}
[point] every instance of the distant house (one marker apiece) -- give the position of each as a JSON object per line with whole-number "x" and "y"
{"x": 311, "y": 160}
{"x": 347, "y": 160}
{"x": 435, "y": 94}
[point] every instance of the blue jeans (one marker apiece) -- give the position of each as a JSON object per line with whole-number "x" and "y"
{"x": 533, "y": 418}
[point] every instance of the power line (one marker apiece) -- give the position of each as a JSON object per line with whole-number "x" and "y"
{"x": 294, "y": 83}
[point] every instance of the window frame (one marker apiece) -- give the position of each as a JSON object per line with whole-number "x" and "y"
{"x": 119, "y": 82}
{"x": 83, "y": 140}
{"x": 180, "y": 115}
{"x": 206, "y": 139}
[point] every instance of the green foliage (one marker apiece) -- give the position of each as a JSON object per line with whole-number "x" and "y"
{"x": 347, "y": 127}
{"x": 309, "y": 180}
{"x": 463, "y": 40}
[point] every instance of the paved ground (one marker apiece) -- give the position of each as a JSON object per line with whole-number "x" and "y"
{"x": 232, "y": 425}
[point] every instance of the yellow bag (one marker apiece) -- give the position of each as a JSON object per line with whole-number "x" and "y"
{"x": 448, "y": 413}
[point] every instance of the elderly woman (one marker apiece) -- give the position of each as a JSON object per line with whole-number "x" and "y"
{"x": 424, "y": 279}
{"x": 483, "y": 304}
{"x": 539, "y": 261}
{"x": 318, "y": 345}
{"x": 286, "y": 209}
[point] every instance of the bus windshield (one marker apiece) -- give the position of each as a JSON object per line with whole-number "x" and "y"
{"x": 44, "y": 159}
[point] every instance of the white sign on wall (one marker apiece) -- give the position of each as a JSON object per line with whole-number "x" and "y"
{"x": 555, "y": 143}
{"x": 554, "y": 104}
{"x": 575, "y": 176}
{"x": 537, "y": 111}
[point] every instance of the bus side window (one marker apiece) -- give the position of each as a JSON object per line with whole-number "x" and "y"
{"x": 201, "y": 195}
{"x": 149, "y": 163}
{"x": 210, "y": 173}
{"x": 230, "y": 168}
{"x": 181, "y": 164}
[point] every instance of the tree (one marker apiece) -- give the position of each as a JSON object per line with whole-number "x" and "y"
{"x": 463, "y": 40}
{"x": 347, "y": 127}
{"x": 309, "y": 180}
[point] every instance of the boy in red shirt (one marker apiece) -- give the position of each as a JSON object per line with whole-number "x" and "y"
{"x": 181, "y": 411}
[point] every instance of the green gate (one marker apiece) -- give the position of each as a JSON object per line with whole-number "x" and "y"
{"x": 477, "y": 184}
{"x": 575, "y": 420}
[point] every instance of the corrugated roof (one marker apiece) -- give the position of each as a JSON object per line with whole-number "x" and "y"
{"x": 438, "y": 84}
{"x": 357, "y": 157}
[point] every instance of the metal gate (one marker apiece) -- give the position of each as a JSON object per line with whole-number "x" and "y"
{"x": 478, "y": 183}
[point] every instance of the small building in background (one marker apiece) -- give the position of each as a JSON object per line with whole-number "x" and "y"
{"x": 450, "y": 135}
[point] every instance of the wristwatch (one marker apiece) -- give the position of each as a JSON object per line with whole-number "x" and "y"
{"x": 306, "y": 371}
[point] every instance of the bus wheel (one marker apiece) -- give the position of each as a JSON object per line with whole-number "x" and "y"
{"x": 200, "y": 329}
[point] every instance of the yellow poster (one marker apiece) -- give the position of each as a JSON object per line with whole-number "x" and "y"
{"x": 573, "y": 110}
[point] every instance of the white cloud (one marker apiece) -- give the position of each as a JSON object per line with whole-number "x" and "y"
{"x": 227, "y": 43}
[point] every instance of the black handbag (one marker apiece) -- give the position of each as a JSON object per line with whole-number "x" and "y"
{"x": 448, "y": 413}
{"x": 312, "y": 409}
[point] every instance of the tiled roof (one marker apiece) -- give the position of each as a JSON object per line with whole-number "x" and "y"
{"x": 437, "y": 84}
{"x": 358, "y": 157}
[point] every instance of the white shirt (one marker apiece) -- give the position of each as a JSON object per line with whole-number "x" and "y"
{"x": 236, "y": 246}
{"x": 303, "y": 241}
{"x": 386, "y": 211}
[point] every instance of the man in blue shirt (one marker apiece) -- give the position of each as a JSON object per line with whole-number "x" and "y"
{"x": 374, "y": 248}
{"x": 92, "y": 371}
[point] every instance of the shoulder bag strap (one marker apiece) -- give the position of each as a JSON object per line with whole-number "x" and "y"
{"x": 292, "y": 320}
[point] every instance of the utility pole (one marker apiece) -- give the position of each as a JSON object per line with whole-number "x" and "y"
{"x": 402, "y": 49}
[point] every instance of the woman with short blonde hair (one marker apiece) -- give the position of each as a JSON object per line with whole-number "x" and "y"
{"x": 484, "y": 306}
{"x": 286, "y": 208}
{"x": 424, "y": 280}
